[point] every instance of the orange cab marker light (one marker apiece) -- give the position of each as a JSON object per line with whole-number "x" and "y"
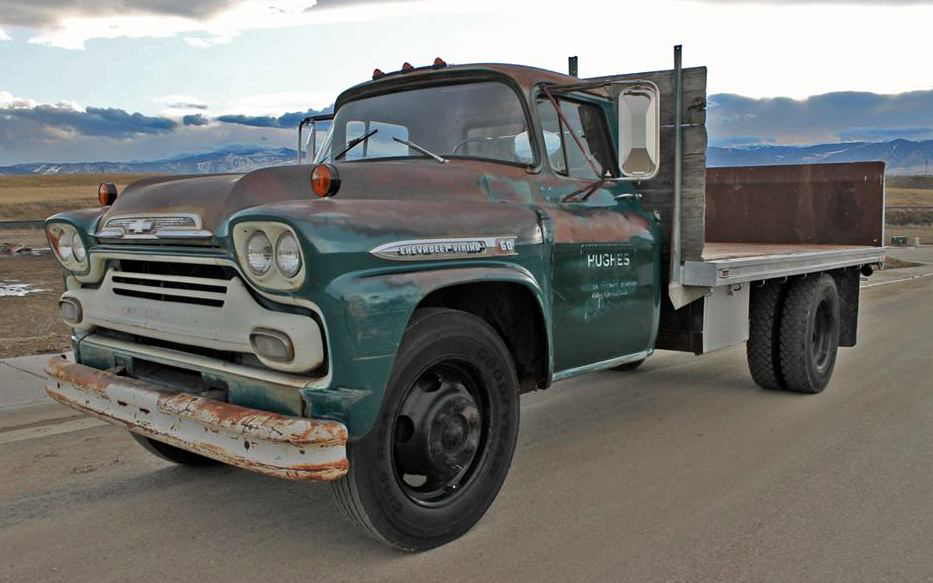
{"x": 439, "y": 63}
{"x": 324, "y": 180}
{"x": 406, "y": 66}
{"x": 106, "y": 193}
{"x": 377, "y": 73}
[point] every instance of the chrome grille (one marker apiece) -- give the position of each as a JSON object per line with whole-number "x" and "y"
{"x": 203, "y": 285}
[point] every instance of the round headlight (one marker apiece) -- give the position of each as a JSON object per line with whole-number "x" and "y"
{"x": 77, "y": 248}
{"x": 288, "y": 255}
{"x": 65, "y": 241}
{"x": 259, "y": 253}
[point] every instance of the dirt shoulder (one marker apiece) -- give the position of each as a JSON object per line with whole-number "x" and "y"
{"x": 30, "y": 323}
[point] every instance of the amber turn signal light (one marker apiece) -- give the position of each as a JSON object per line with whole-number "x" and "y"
{"x": 324, "y": 180}
{"x": 106, "y": 193}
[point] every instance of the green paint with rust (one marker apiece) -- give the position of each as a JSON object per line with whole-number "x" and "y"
{"x": 592, "y": 267}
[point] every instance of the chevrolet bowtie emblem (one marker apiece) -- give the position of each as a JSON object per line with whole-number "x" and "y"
{"x": 140, "y": 226}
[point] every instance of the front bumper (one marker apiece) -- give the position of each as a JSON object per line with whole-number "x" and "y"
{"x": 269, "y": 443}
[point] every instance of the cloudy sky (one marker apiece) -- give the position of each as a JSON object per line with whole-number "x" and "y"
{"x": 141, "y": 79}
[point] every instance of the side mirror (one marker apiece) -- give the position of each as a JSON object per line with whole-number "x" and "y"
{"x": 639, "y": 109}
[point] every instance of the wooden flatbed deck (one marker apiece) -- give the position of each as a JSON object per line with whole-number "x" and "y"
{"x": 720, "y": 251}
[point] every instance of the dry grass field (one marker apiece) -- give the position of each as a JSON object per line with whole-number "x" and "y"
{"x": 915, "y": 191}
{"x": 39, "y": 197}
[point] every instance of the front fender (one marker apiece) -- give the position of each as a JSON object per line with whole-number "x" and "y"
{"x": 372, "y": 311}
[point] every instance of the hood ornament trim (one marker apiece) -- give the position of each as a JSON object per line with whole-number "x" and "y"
{"x": 154, "y": 226}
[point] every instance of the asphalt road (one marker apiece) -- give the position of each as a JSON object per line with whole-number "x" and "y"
{"x": 681, "y": 471}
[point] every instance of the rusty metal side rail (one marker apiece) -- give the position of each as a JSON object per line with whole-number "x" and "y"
{"x": 268, "y": 443}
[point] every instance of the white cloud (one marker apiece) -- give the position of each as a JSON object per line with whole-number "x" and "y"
{"x": 4, "y": 36}
{"x": 72, "y": 31}
{"x": 202, "y": 42}
{"x": 10, "y": 101}
{"x": 279, "y": 103}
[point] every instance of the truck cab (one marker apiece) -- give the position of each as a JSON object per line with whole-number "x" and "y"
{"x": 464, "y": 234}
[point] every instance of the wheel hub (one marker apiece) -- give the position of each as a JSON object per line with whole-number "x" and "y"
{"x": 454, "y": 433}
{"x": 438, "y": 434}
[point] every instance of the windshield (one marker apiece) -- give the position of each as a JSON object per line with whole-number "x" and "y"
{"x": 473, "y": 120}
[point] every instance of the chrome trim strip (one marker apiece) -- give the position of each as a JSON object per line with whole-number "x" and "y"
{"x": 191, "y": 230}
{"x": 453, "y": 248}
{"x": 572, "y": 372}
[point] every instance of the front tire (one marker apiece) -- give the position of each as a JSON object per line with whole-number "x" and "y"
{"x": 442, "y": 445}
{"x": 173, "y": 454}
{"x": 809, "y": 337}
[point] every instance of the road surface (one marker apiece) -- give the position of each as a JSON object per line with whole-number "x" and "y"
{"x": 680, "y": 471}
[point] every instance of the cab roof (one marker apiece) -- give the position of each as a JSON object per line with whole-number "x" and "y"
{"x": 523, "y": 76}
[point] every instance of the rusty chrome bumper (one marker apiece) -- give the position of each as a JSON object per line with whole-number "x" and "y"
{"x": 276, "y": 445}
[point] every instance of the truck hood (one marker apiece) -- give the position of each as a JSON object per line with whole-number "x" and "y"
{"x": 212, "y": 197}
{"x": 216, "y": 197}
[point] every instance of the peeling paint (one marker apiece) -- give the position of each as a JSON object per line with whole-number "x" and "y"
{"x": 268, "y": 443}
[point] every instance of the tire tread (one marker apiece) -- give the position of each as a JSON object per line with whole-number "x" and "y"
{"x": 793, "y": 333}
{"x": 762, "y": 349}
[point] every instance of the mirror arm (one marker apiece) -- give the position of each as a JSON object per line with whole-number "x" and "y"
{"x": 301, "y": 127}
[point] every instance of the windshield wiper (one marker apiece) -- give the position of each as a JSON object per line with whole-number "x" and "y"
{"x": 354, "y": 143}
{"x": 424, "y": 151}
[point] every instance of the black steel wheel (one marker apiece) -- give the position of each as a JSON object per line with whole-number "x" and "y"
{"x": 173, "y": 454}
{"x": 440, "y": 429}
{"x": 809, "y": 336}
{"x": 443, "y": 443}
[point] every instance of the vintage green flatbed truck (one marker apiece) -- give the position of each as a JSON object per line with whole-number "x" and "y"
{"x": 464, "y": 234}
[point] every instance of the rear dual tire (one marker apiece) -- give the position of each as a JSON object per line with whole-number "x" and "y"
{"x": 442, "y": 445}
{"x": 794, "y": 334}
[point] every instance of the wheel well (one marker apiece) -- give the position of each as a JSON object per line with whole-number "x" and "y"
{"x": 513, "y": 312}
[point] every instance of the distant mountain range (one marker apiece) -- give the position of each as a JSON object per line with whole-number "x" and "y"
{"x": 230, "y": 159}
{"x": 901, "y": 156}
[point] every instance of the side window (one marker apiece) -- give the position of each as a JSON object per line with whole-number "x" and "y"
{"x": 380, "y": 144}
{"x": 550, "y": 124}
{"x": 588, "y": 121}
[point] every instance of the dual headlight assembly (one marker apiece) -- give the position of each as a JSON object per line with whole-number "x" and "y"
{"x": 68, "y": 246}
{"x": 270, "y": 254}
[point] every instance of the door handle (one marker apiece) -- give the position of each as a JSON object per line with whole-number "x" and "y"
{"x": 631, "y": 195}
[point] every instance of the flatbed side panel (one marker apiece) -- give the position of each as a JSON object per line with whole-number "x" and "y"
{"x": 838, "y": 204}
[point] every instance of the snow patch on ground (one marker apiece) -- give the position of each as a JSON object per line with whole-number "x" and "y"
{"x": 17, "y": 290}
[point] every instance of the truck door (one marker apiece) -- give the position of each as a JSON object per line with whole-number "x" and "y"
{"x": 604, "y": 264}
